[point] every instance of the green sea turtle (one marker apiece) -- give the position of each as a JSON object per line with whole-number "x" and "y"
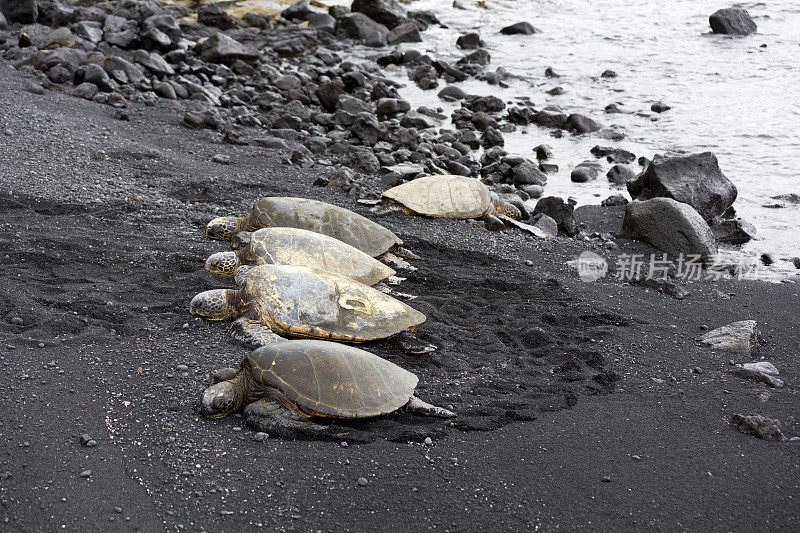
{"x": 451, "y": 197}
{"x": 312, "y": 215}
{"x": 278, "y": 300}
{"x": 289, "y": 385}
{"x": 292, "y": 246}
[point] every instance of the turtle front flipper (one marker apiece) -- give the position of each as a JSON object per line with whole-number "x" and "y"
{"x": 252, "y": 333}
{"x": 418, "y": 407}
{"x": 224, "y": 263}
{"x": 280, "y": 418}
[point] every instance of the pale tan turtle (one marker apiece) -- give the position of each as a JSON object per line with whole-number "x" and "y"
{"x": 290, "y": 385}
{"x": 296, "y": 301}
{"x": 312, "y": 215}
{"x": 450, "y": 197}
{"x": 292, "y": 246}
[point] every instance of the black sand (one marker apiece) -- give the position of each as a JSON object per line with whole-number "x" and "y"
{"x": 558, "y": 384}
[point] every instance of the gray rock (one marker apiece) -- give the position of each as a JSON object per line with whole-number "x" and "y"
{"x": 415, "y": 119}
{"x": 404, "y": 33}
{"x": 113, "y": 65}
{"x": 22, "y": 11}
{"x": 387, "y": 12}
{"x": 740, "y": 337}
{"x": 361, "y": 27}
{"x": 86, "y": 90}
{"x": 95, "y": 75}
{"x": 758, "y": 376}
{"x": 550, "y": 119}
{"x": 543, "y": 152}
{"x": 3, "y": 25}
{"x": 735, "y": 231}
{"x": 361, "y": 158}
{"x": 59, "y": 74}
{"x": 362, "y": 482}
{"x": 478, "y": 57}
{"x": 620, "y": 174}
{"x": 322, "y": 21}
{"x": 89, "y": 30}
{"x": 214, "y": 16}
{"x": 202, "y": 115}
{"x": 546, "y": 224}
{"x": 451, "y": 92}
{"x": 392, "y": 106}
{"x": 328, "y": 95}
{"x": 85, "y": 474}
{"x": 659, "y": 107}
{"x": 585, "y": 171}
{"x": 764, "y": 367}
{"x": 528, "y": 173}
{"x": 577, "y": 123}
{"x": 614, "y": 200}
{"x": 164, "y": 24}
{"x": 758, "y": 426}
{"x": 367, "y": 128}
{"x": 670, "y": 226}
{"x": 299, "y": 11}
{"x": 470, "y": 41}
{"x": 153, "y": 62}
{"x": 560, "y": 211}
{"x": 54, "y": 13}
{"x": 520, "y": 28}
{"x": 220, "y": 48}
{"x": 732, "y": 21}
{"x": 694, "y": 179}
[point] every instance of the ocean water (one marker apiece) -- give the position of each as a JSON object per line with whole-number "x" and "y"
{"x": 731, "y": 96}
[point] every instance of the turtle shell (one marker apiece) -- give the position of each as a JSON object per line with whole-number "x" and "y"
{"x": 301, "y": 302}
{"x": 330, "y": 379}
{"x": 292, "y": 246}
{"x": 443, "y": 196}
{"x": 333, "y": 221}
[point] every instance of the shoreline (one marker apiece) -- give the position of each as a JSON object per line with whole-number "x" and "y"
{"x": 558, "y": 383}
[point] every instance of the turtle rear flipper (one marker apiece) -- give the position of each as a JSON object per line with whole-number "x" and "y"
{"x": 252, "y": 333}
{"x": 278, "y": 417}
{"x": 413, "y": 345}
{"x": 418, "y": 407}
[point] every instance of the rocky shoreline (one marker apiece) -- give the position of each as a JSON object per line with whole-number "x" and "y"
{"x": 579, "y": 404}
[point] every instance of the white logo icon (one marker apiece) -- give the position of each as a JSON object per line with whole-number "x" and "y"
{"x": 590, "y": 266}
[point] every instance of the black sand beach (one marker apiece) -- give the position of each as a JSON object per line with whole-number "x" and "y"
{"x": 580, "y": 405}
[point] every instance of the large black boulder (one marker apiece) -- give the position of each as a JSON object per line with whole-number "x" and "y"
{"x": 560, "y": 211}
{"x": 386, "y": 12}
{"x": 361, "y": 27}
{"x": 693, "y": 179}
{"x": 732, "y": 21}
{"x": 520, "y": 28}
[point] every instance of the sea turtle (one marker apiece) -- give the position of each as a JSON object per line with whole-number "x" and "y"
{"x": 302, "y": 213}
{"x": 289, "y": 384}
{"x": 451, "y": 197}
{"x": 291, "y": 246}
{"x": 277, "y": 300}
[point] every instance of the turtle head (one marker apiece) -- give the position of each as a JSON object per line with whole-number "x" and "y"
{"x": 216, "y": 304}
{"x": 223, "y": 398}
{"x": 506, "y": 208}
{"x": 224, "y": 263}
{"x": 223, "y": 228}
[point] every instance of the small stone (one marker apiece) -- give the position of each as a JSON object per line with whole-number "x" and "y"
{"x": 362, "y": 481}
{"x": 260, "y": 436}
{"x": 118, "y": 510}
{"x": 636, "y": 458}
{"x": 428, "y": 441}
{"x": 85, "y": 474}
{"x": 528, "y": 262}
{"x": 17, "y": 321}
{"x": 181, "y": 368}
{"x": 697, "y": 370}
{"x": 221, "y": 159}
{"x": 606, "y": 479}
{"x": 343, "y": 444}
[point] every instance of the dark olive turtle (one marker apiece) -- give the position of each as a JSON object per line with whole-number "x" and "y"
{"x": 290, "y": 383}
{"x": 277, "y": 300}
{"x": 292, "y": 246}
{"x": 312, "y": 215}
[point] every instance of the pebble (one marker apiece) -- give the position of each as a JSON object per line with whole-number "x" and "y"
{"x": 85, "y": 473}
{"x": 221, "y": 159}
{"x": 697, "y": 370}
{"x": 528, "y": 262}
{"x": 181, "y": 368}
{"x": 362, "y": 481}
{"x": 260, "y": 436}
{"x": 428, "y": 441}
{"x": 606, "y": 479}
{"x": 17, "y": 321}
{"x": 636, "y": 458}
{"x": 343, "y": 444}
